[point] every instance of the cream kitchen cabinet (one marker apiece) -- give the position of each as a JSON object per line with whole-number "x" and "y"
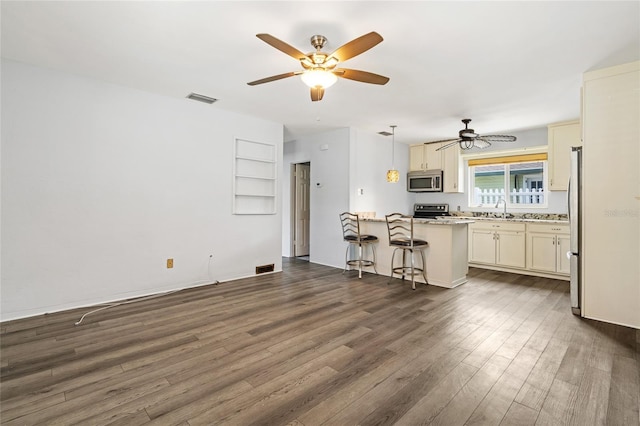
{"x": 416, "y": 157}
{"x": 610, "y": 248}
{"x": 547, "y": 247}
{"x": 453, "y": 170}
{"x": 561, "y": 137}
{"x": 425, "y": 157}
{"x": 496, "y": 243}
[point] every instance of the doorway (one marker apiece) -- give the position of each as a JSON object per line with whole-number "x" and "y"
{"x": 300, "y": 224}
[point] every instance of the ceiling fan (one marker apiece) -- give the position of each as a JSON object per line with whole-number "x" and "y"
{"x": 319, "y": 68}
{"x": 468, "y": 139}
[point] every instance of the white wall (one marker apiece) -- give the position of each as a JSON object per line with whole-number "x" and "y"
{"x": 351, "y": 160}
{"x": 370, "y": 160}
{"x": 101, "y": 184}
{"x": 328, "y": 153}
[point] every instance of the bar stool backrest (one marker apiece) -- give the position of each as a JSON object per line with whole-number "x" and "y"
{"x": 400, "y": 228}
{"x": 350, "y": 226}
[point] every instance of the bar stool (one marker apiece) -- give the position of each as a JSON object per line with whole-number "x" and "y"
{"x": 401, "y": 237}
{"x": 351, "y": 234}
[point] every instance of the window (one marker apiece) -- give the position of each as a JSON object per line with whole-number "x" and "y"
{"x": 519, "y": 180}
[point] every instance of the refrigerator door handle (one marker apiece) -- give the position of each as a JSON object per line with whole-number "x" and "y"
{"x": 573, "y": 210}
{"x": 573, "y": 204}
{"x": 569, "y": 199}
{"x": 575, "y": 290}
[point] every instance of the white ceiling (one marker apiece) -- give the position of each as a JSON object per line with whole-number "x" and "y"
{"x": 507, "y": 65}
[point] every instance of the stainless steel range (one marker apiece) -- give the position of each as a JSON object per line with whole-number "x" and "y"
{"x": 427, "y": 211}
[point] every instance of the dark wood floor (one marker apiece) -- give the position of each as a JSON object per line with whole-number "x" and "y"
{"x": 312, "y": 346}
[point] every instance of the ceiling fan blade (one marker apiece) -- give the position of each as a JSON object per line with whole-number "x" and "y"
{"x": 282, "y": 46}
{"x": 317, "y": 93}
{"x": 357, "y": 46}
{"x": 481, "y": 143}
{"x": 449, "y": 144}
{"x": 273, "y": 78}
{"x": 445, "y": 140}
{"x": 362, "y": 76}
{"x": 499, "y": 138}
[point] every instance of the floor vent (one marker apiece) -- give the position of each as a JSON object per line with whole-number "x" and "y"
{"x": 264, "y": 268}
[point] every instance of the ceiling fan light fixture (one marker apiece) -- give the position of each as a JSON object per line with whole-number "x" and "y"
{"x": 318, "y": 77}
{"x": 330, "y": 62}
{"x": 466, "y": 144}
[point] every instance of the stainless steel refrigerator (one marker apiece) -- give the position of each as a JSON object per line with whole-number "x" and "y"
{"x": 575, "y": 227}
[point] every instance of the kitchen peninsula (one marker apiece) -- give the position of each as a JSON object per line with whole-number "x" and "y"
{"x": 446, "y": 255}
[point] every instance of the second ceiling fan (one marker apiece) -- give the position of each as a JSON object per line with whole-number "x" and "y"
{"x": 319, "y": 68}
{"x": 468, "y": 139}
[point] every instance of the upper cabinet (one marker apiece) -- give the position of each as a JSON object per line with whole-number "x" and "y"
{"x": 561, "y": 137}
{"x": 416, "y": 157}
{"x": 425, "y": 157}
{"x": 432, "y": 157}
{"x": 453, "y": 170}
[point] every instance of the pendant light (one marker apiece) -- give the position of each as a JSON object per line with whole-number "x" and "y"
{"x": 392, "y": 174}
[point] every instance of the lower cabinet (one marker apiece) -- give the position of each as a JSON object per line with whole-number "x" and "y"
{"x": 482, "y": 247}
{"x": 528, "y": 248}
{"x": 498, "y": 243}
{"x": 511, "y": 249}
{"x": 547, "y": 247}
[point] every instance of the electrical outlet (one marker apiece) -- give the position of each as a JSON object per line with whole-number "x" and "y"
{"x": 169, "y": 263}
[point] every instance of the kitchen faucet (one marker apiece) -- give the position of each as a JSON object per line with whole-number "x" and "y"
{"x": 504, "y": 212}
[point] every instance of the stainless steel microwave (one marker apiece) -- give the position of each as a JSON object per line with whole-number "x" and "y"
{"x": 424, "y": 181}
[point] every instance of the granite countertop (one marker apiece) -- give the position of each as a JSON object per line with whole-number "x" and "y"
{"x": 459, "y": 218}
{"x": 443, "y": 220}
{"x": 550, "y": 218}
{"x": 519, "y": 219}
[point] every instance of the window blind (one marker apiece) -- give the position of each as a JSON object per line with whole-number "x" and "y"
{"x": 524, "y": 158}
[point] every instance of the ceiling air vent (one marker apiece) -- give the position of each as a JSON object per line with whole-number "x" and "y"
{"x": 201, "y": 98}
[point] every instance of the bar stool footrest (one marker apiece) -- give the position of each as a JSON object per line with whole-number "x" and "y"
{"x": 406, "y": 270}
{"x": 364, "y": 262}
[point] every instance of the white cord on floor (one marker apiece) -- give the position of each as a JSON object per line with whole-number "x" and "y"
{"x": 126, "y": 302}
{"x": 140, "y": 299}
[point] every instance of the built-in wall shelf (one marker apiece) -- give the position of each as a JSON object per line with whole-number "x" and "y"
{"x": 254, "y": 177}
